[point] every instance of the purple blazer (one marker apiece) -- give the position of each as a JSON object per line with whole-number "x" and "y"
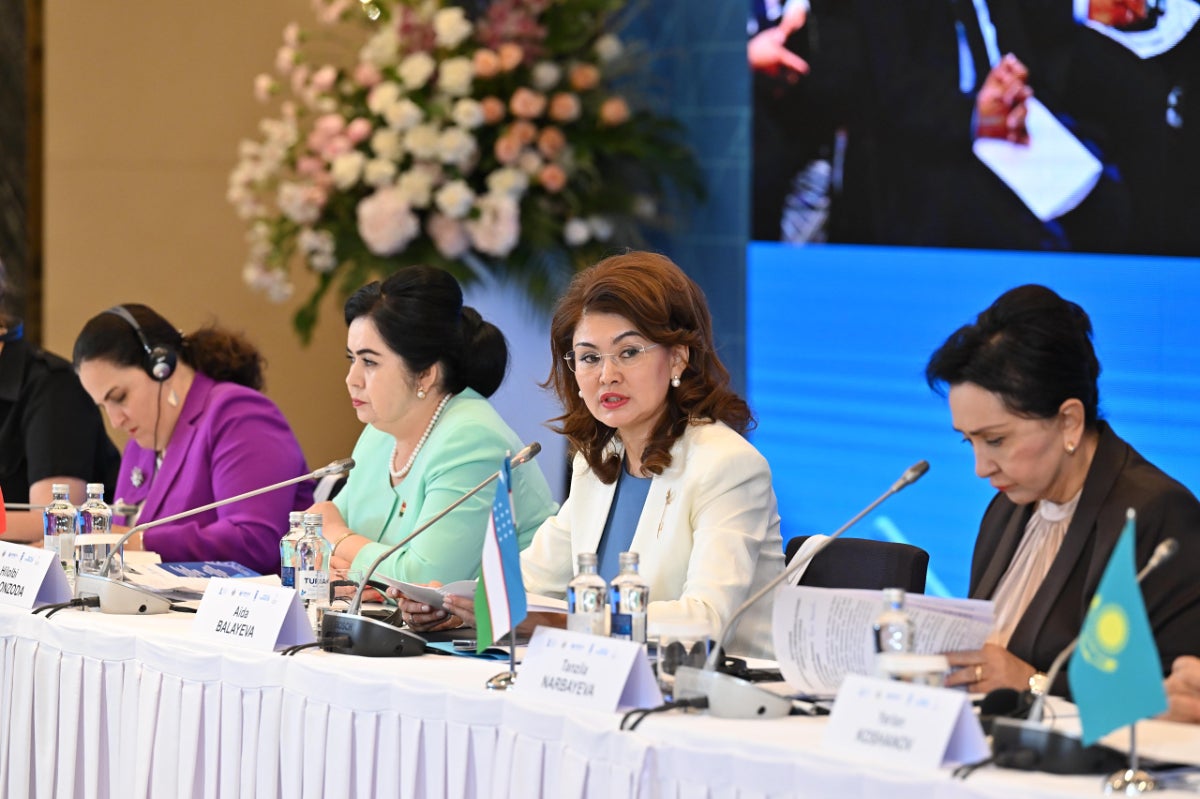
{"x": 229, "y": 440}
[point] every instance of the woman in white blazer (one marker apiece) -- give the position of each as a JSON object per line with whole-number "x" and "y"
{"x": 660, "y": 468}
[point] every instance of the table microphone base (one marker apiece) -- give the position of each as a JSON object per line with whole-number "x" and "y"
{"x": 119, "y": 597}
{"x": 729, "y": 697}
{"x": 367, "y": 637}
{"x": 1034, "y": 746}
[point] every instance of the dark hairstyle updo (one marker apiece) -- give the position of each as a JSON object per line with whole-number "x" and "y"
{"x": 1032, "y": 348}
{"x": 420, "y": 315}
{"x": 220, "y": 354}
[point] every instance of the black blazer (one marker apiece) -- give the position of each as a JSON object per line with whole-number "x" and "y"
{"x": 1119, "y": 479}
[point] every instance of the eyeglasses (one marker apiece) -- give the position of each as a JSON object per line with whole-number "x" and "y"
{"x": 589, "y": 361}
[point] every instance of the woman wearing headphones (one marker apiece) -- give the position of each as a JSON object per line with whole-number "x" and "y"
{"x": 199, "y": 431}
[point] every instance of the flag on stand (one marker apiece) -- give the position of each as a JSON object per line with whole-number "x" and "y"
{"x": 500, "y": 593}
{"x": 1115, "y": 672}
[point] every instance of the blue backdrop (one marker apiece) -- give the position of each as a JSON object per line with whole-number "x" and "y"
{"x": 837, "y": 339}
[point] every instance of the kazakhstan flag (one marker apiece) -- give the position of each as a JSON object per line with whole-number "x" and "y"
{"x": 1115, "y": 673}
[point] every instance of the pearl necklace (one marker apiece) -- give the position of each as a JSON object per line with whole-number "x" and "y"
{"x": 403, "y": 472}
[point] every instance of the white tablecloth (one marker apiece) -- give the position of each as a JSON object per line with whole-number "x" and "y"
{"x": 96, "y": 706}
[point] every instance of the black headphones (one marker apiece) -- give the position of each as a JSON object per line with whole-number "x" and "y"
{"x": 160, "y": 360}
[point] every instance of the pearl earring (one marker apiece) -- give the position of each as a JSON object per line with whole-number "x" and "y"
{"x": 581, "y": 392}
{"x": 675, "y": 381}
{"x": 1070, "y": 449}
{"x": 421, "y": 393}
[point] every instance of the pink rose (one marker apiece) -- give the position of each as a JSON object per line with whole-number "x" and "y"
{"x": 386, "y": 222}
{"x": 551, "y": 142}
{"x": 507, "y": 148}
{"x": 309, "y": 166}
{"x": 523, "y": 131}
{"x": 486, "y": 63}
{"x": 336, "y": 146}
{"x": 553, "y": 178}
{"x": 358, "y": 130}
{"x": 614, "y": 111}
{"x": 367, "y": 75}
{"x": 449, "y": 235}
{"x": 324, "y": 78}
{"x": 564, "y": 107}
{"x": 584, "y": 77}
{"x": 493, "y": 109}
{"x": 527, "y": 104}
{"x": 511, "y": 56}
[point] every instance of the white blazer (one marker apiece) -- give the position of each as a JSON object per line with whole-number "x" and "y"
{"x": 708, "y": 535}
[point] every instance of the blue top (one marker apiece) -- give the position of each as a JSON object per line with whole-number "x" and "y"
{"x": 628, "y": 501}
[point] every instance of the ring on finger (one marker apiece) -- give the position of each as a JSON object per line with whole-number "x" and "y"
{"x": 978, "y": 672}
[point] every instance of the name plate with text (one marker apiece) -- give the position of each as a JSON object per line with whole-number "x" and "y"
{"x": 256, "y": 616}
{"x": 31, "y": 577}
{"x": 903, "y": 724}
{"x": 587, "y": 671}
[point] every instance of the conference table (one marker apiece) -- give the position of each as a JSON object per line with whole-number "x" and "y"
{"x": 97, "y": 705}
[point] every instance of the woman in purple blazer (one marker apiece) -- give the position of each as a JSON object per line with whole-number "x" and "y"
{"x": 199, "y": 431}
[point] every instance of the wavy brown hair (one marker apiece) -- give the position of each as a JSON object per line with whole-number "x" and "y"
{"x": 668, "y": 308}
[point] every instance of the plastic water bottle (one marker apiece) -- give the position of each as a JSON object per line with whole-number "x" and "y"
{"x": 629, "y": 597}
{"x": 94, "y": 517}
{"x": 585, "y": 597}
{"x": 287, "y": 549}
{"x": 894, "y": 631}
{"x": 313, "y": 554}
{"x": 58, "y": 529}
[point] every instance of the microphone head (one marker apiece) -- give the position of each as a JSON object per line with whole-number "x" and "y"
{"x": 911, "y": 475}
{"x": 337, "y": 467}
{"x": 524, "y": 456}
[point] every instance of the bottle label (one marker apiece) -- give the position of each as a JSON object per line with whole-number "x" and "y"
{"x": 622, "y": 626}
{"x": 287, "y": 576}
{"x": 314, "y": 586}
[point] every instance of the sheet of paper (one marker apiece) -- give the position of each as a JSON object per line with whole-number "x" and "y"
{"x": 823, "y": 634}
{"x": 1051, "y": 174}
{"x": 433, "y": 596}
{"x": 154, "y": 577}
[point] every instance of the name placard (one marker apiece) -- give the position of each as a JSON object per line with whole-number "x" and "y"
{"x": 256, "y": 616}
{"x": 31, "y": 577}
{"x": 903, "y": 724}
{"x": 587, "y": 671}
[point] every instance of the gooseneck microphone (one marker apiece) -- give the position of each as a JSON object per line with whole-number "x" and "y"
{"x": 732, "y": 697}
{"x": 354, "y": 634}
{"x": 1030, "y": 745}
{"x": 120, "y": 597}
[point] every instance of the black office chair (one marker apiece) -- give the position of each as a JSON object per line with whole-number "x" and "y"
{"x": 863, "y": 563}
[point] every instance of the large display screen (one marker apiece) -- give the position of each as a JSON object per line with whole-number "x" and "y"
{"x": 913, "y": 160}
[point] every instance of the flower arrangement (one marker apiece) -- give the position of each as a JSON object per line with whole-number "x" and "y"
{"x": 489, "y": 138}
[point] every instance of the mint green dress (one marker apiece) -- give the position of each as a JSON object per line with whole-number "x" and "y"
{"x": 467, "y": 444}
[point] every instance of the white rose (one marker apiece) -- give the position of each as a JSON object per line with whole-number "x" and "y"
{"x": 498, "y": 227}
{"x": 422, "y": 141}
{"x": 608, "y": 47}
{"x": 384, "y": 96}
{"x": 546, "y": 75}
{"x": 379, "y": 172}
{"x": 449, "y": 235}
{"x": 300, "y": 202}
{"x": 602, "y": 227}
{"x": 347, "y": 168}
{"x": 512, "y": 182}
{"x": 455, "y": 75}
{"x": 529, "y": 162}
{"x": 382, "y": 49}
{"x": 450, "y": 27}
{"x": 417, "y": 186}
{"x": 467, "y": 113}
{"x": 416, "y": 69}
{"x": 576, "y": 232}
{"x": 387, "y": 144}
{"x": 386, "y": 223}
{"x": 454, "y": 199}
{"x": 456, "y": 146}
{"x": 403, "y": 115}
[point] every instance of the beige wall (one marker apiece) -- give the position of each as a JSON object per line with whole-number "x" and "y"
{"x": 145, "y": 105}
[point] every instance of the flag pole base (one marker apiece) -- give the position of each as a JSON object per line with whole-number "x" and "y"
{"x": 1130, "y": 782}
{"x": 502, "y": 681}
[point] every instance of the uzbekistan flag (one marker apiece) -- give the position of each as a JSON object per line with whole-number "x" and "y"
{"x": 500, "y": 593}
